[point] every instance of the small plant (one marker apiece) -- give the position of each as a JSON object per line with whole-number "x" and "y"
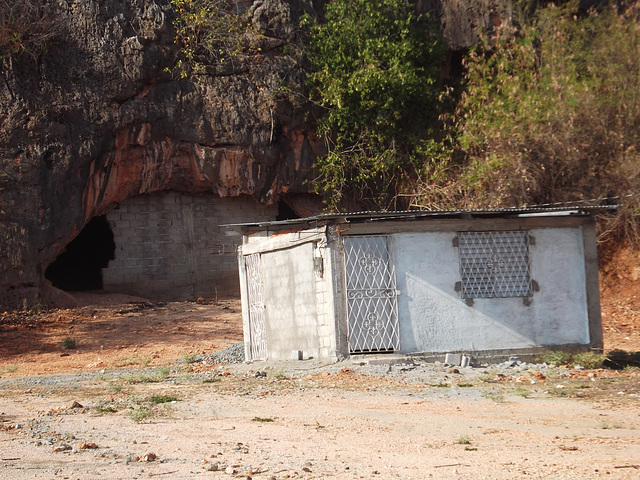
{"x": 105, "y": 409}
{"x": 158, "y": 376}
{"x": 211, "y": 35}
{"x": 263, "y": 420}
{"x": 439, "y": 385}
{"x": 280, "y": 375}
{"x": 556, "y": 358}
{"x": 140, "y": 414}
{"x": 522, "y": 392}
{"x": 210, "y": 380}
{"x": 27, "y": 26}
{"x": 8, "y": 369}
{"x": 465, "y": 385}
{"x": 185, "y": 378}
{"x": 588, "y": 360}
{"x": 115, "y": 387}
{"x": 560, "y": 392}
{"x": 69, "y": 343}
{"x": 463, "y": 440}
{"x": 189, "y": 358}
{"x": 158, "y": 399}
{"x": 489, "y": 376}
{"x": 497, "y": 397}
{"x": 130, "y": 361}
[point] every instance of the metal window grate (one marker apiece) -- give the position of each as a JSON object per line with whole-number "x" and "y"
{"x": 494, "y": 264}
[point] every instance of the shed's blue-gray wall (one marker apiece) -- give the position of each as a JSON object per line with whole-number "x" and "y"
{"x": 433, "y": 317}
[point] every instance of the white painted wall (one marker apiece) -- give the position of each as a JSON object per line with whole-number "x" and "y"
{"x": 433, "y": 317}
{"x": 290, "y": 302}
{"x": 306, "y": 311}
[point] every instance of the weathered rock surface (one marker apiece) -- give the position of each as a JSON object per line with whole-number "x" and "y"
{"x": 98, "y": 119}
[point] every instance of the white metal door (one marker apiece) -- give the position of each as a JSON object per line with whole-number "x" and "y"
{"x": 257, "y": 339}
{"x": 372, "y": 307}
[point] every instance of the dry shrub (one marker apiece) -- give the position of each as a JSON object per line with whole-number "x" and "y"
{"x": 28, "y": 26}
{"x": 551, "y": 113}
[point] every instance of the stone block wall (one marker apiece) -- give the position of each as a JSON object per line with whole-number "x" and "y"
{"x": 173, "y": 246}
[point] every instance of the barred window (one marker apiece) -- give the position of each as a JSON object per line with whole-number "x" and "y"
{"x": 494, "y": 264}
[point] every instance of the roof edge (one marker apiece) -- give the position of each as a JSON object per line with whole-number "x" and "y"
{"x": 372, "y": 216}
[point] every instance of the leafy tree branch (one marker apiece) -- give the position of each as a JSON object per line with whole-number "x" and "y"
{"x": 375, "y": 70}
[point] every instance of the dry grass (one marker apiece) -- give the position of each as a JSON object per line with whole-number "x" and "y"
{"x": 28, "y": 26}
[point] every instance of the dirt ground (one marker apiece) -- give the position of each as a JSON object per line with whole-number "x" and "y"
{"x": 111, "y": 390}
{"x": 115, "y": 330}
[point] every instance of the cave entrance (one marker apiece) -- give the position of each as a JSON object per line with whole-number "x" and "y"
{"x": 285, "y": 212}
{"x": 80, "y": 266}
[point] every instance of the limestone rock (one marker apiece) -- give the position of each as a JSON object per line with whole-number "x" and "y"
{"x": 97, "y": 119}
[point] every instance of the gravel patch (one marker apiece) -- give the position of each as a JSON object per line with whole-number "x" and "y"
{"x": 232, "y": 354}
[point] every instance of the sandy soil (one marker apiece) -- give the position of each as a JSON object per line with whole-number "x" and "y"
{"x": 127, "y": 403}
{"x": 313, "y": 421}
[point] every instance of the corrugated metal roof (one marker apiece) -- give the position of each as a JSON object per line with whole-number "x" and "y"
{"x": 372, "y": 216}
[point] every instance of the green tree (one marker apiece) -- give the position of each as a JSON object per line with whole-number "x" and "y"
{"x": 375, "y": 70}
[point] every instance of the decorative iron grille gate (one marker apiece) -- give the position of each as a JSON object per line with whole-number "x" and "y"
{"x": 257, "y": 339}
{"x": 372, "y": 307}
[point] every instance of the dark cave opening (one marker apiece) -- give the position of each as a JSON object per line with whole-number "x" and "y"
{"x": 80, "y": 266}
{"x": 285, "y": 212}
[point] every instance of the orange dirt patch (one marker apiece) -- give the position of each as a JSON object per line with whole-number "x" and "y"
{"x": 110, "y": 331}
{"x": 620, "y": 298}
{"x": 115, "y": 330}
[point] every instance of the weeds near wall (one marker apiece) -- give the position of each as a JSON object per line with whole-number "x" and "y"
{"x": 27, "y": 27}
{"x": 587, "y": 360}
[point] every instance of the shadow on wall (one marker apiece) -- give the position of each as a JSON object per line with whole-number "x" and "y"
{"x": 80, "y": 266}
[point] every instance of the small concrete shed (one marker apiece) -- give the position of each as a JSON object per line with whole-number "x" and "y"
{"x": 477, "y": 282}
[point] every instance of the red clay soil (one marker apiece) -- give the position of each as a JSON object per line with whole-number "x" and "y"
{"x": 620, "y": 298}
{"x": 115, "y": 330}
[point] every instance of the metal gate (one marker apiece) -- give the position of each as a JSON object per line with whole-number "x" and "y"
{"x": 372, "y": 307}
{"x": 257, "y": 339}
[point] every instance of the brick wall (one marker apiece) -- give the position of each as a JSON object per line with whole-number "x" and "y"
{"x": 172, "y": 246}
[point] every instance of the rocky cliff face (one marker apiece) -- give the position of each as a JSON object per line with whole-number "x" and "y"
{"x": 97, "y": 119}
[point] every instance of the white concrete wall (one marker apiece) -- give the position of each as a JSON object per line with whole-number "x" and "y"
{"x": 433, "y": 317}
{"x": 290, "y": 302}
{"x": 298, "y": 299}
{"x": 173, "y": 246}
